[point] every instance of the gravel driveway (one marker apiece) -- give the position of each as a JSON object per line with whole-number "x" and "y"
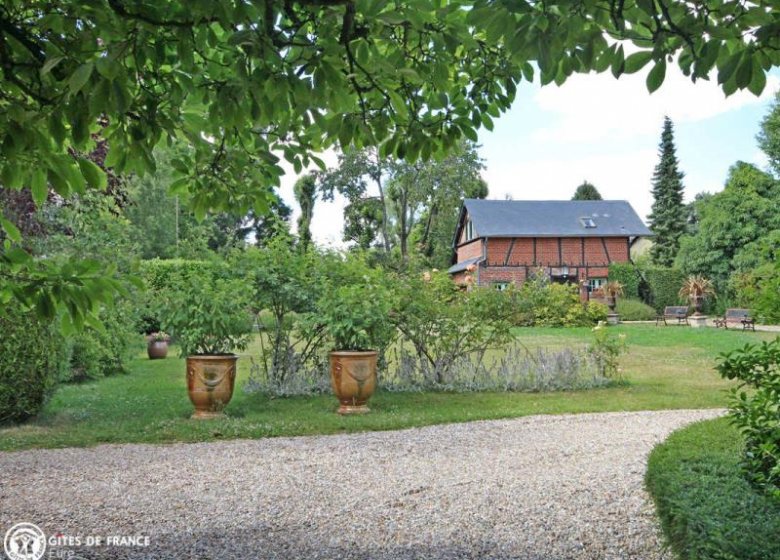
{"x": 543, "y": 487}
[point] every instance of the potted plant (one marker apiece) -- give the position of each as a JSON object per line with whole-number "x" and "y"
{"x": 611, "y": 291}
{"x": 157, "y": 345}
{"x": 696, "y": 289}
{"x": 210, "y": 319}
{"x": 356, "y": 319}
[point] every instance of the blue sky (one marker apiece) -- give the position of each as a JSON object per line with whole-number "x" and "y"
{"x": 606, "y": 131}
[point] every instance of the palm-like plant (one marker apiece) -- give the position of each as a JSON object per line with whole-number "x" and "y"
{"x": 612, "y": 290}
{"x": 696, "y": 289}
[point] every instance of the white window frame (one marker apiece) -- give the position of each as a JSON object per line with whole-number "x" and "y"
{"x": 594, "y": 284}
{"x": 501, "y": 285}
{"x": 469, "y": 230}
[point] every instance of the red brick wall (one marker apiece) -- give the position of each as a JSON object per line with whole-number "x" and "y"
{"x": 571, "y": 251}
{"x": 594, "y": 251}
{"x": 547, "y": 251}
{"x": 470, "y": 250}
{"x": 492, "y": 274}
{"x": 618, "y": 249}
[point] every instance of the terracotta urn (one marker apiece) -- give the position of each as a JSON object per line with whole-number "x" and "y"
{"x": 611, "y": 303}
{"x": 157, "y": 349}
{"x": 353, "y": 376}
{"x": 210, "y": 382}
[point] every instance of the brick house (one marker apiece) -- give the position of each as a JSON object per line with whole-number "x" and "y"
{"x": 498, "y": 242}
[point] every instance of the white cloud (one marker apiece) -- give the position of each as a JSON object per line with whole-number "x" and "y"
{"x": 589, "y": 107}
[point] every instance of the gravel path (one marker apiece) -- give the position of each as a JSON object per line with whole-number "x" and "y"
{"x": 543, "y": 487}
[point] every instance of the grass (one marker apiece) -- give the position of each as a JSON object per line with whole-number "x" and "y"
{"x": 707, "y": 509}
{"x": 666, "y": 368}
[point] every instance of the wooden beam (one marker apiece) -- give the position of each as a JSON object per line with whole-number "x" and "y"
{"x": 606, "y": 251}
{"x": 509, "y": 252}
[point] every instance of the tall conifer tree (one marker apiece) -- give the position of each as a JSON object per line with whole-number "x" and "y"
{"x": 586, "y": 191}
{"x": 668, "y": 216}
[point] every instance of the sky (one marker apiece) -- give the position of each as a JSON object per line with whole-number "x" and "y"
{"x": 606, "y": 131}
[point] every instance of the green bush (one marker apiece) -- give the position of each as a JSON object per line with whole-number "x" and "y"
{"x": 634, "y": 310}
{"x": 96, "y": 354}
{"x": 541, "y": 303}
{"x": 628, "y": 276}
{"x": 755, "y": 409}
{"x": 663, "y": 287}
{"x": 33, "y": 357}
{"x": 160, "y": 277}
{"x": 708, "y": 510}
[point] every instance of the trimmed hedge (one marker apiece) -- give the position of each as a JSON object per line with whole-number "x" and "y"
{"x": 708, "y": 510}
{"x": 33, "y": 358}
{"x": 628, "y": 275}
{"x": 663, "y": 287}
{"x": 634, "y": 310}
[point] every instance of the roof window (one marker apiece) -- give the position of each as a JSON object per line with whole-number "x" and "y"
{"x": 588, "y": 223}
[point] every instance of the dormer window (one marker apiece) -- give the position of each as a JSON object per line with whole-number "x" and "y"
{"x": 469, "y": 230}
{"x": 588, "y": 223}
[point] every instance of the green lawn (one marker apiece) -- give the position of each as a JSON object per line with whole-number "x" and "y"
{"x": 707, "y": 508}
{"x": 666, "y": 367}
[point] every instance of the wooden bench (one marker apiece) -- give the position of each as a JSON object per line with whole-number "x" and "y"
{"x": 676, "y": 312}
{"x": 737, "y": 317}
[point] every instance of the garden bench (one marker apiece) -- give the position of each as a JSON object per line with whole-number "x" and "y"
{"x": 737, "y": 317}
{"x": 678, "y": 312}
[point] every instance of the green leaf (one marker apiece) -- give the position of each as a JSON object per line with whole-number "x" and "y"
{"x": 656, "y": 76}
{"x": 744, "y": 73}
{"x": 95, "y": 177}
{"x": 758, "y": 81}
{"x": 39, "y": 187}
{"x": 618, "y": 62}
{"x": 637, "y": 61}
{"x": 80, "y": 77}
{"x": 727, "y": 70}
{"x": 13, "y": 232}
{"x": 49, "y": 65}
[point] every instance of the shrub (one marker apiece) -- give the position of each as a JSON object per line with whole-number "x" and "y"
{"x": 162, "y": 276}
{"x": 628, "y": 276}
{"x": 33, "y": 357}
{"x": 606, "y": 350}
{"x": 663, "y": 287}
{"x": 541, "y": 303}
{"x": 755, "y": 407}
{"x": 634, "y": 310}
{"x": 707, "y": 509}
{"x": 515, "y": 368}
{"x": 445, "y": 324}
{"x": 95, "y": 353}
{"x": 208, "y": 316}
{"x": 759, "y": 290}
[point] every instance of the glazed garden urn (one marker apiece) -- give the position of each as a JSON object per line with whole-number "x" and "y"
{"x": 353, "y": 377}
{"x": 210, "y": 382}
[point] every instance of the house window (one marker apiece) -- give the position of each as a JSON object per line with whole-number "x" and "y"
{"x": 595, "y": 284}
{"x": 501, "y": 286}
{"x": 587, "y": 223}
{"x": 469, "y": 230}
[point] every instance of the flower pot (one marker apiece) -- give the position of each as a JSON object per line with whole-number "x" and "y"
{"x": 698, "y": 302}
{"x": 210, "y": 381}
{"x": 611, "y": 303}
{"x": 353, "y": 376}
{"x": 157, "y": 349}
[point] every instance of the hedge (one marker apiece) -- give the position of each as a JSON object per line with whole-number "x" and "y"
{"x": 708, "y": 509}
{"x": 33, "y": 358}
{"x": 662, "y": 287}
{"x": 628, "y": 275}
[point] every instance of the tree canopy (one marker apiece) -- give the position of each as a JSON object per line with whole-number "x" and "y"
{"x": 586, "y": 191}
{"x": 246, "y": 83}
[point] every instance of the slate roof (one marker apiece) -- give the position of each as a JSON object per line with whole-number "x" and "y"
{"x": 463, "y": 265}
{"x": 554, "y": 218}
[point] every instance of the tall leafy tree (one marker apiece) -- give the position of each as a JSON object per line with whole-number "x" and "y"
{"x": 769, "y": 135}
{"x": 669, "y": 216}
{"x": 586, "y": 191}
{"x": 729, "y": 223}
{"x": 245, "y": 81}
{"x": 305, "y": 191}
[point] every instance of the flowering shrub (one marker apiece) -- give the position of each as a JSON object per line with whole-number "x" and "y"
{"x": 606, "y": 350}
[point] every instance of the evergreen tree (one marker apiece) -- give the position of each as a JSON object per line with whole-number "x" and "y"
{"x": 305, "y": 192}
{"x": 668, "y": 217}
{"x": 587, "y": 191}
